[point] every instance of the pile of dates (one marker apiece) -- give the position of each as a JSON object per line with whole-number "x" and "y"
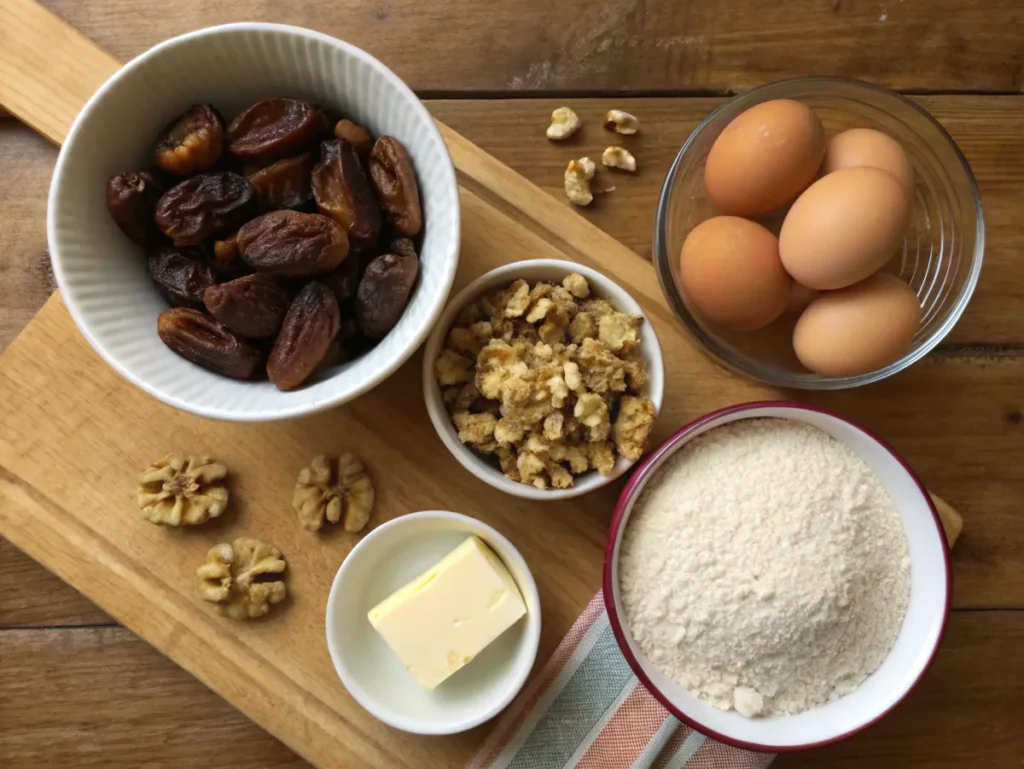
{"x": 283, "y": 240}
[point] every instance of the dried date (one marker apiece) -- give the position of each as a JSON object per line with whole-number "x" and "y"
{"x": 344, "y": 280}
{"x": 193, "y": 143}
{"x": 309, "y": 328}
{"x": 284, "y": 184}
{"x": 198, "y": 338}
{"x": 181, "y": 275}
{"x": 253, "y": 306}
{"x": 403, "y": 247}
{"x": 204, "y": 206}
{"x": 384, "y": 292}
{"x": 131, "y": 200}
{"x": 394, "y": 182}
{"x": 276, "y": 128}
{"x": 292, "y": 243}
{"x": 343, "y": 193}
{"x": 355, "y": 135}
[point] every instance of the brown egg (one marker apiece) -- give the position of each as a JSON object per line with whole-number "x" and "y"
{"x": 857, "y": 329}
{"x": 730, "y": 269}
{"x": 764, "y": 158}
{"x": 845, "y": 227}
{"x": 867, "y": 147}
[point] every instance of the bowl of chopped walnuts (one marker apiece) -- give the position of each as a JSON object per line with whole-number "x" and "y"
{"x": 544, "y": 378}
{"x": 254, "y": 222}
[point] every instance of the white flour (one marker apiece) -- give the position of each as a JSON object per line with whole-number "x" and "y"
{"x": 765, "y": 568}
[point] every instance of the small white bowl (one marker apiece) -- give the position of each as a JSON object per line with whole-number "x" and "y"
{"x": 103, "y": 276}
{"x": 915, "y": 646}
{"x": 532, "y": 270}
{"x": 386, "y": 559}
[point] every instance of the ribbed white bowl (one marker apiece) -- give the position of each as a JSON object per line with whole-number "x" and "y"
{"x": 103, "y": 276}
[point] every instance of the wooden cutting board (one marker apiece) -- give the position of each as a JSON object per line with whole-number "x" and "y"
{"x": 74, "y": 436}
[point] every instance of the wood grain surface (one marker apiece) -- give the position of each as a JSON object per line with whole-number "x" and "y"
{"x": 102, "y": 697}
{"x": 612, "y": 46}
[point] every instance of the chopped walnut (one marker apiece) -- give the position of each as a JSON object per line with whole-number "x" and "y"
{"x": 242, "y": 579}
{"x": 633, "y": 426}
{"x": 564, "y": 123}
{"x": 618, "y": 331}
{"x": 620, "y": 158}
{"x": 592, "y": 411}
{"x": 576, "y": 285}
{"x": 551, "y": 365}
{"x": 452, "y": 368}
{"x": 577, "y": 181}
{"x": 621, "y": 122}
{"x": 333, "y": 490}
{"x": 179, "y": 490}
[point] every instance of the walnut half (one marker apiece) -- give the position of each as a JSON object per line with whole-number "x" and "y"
{"x": 179, "y": 490}
{"x": 242, "y": 579}
{"x": 332, "y": 489}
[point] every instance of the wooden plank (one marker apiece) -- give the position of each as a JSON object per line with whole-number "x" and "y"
{"x": 990, "y": 130}
{"x": 30, "y": 596}
{"x": 104, "y": 698}
{"x": 622, "y": 45}
{"x": 57, "y": 708}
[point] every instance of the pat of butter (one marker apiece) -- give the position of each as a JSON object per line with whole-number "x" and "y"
{"x": 440, "y": 621}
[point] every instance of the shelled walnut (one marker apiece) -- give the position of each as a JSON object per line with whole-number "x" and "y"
{"x": 178, "y": 490}
{"x": 334, "y": 490}
{"x": 242, "y": 579}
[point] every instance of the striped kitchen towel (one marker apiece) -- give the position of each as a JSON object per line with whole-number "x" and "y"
{"x": 586, "y": 710}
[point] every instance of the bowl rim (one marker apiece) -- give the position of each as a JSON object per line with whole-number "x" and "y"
{"x": 504, "y": 549}
{"x": 624, "y": 506}
{"x": 741, "y": 364}
{"x": 439, "y": 415}
{"x": 268, "y": 414}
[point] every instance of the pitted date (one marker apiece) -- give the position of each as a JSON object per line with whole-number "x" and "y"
{"x": 181, "y": 275}
{"x": 276, "y": 128}
{"x": 204, "y": 206}
{"x": 253, "y": 306}
{"x": 198, "y": 338}
{"x": 192, "y": 143}
{"x": 284, "y": 184}
{"x": 394, "y": 182}
{"x": 309, "y": 328}
{"x": 293, "y": 243}
{"x": 131, "y": 201}
{"x": 343, "y": 193}
{"x": 384, "y": 292}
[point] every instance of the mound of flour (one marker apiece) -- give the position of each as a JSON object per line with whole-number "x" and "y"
{"x": 764, "y": 568}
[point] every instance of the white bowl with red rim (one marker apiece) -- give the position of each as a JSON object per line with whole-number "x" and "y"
{"x": 915, "y": 646}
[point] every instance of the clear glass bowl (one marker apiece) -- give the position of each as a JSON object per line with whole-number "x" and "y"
{"x": 940, "y": 257}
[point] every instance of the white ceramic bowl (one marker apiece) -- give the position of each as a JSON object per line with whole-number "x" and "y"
{"x": 387, "y": 558}
{"x": 915, "y": 646}
{"x": 533, "y": 270}
{"x": 103, "y": 276}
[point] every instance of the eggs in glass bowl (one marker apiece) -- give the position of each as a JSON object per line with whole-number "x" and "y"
{"x": 826, "y": 205}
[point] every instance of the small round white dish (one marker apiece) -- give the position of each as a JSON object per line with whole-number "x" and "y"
{"x": 389, "y": 557}
{"x": 534, "y": 270}
{"x": 916, "y": 644}
{"x": 103, "y": 276}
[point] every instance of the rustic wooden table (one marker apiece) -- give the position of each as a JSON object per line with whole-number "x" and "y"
{"x": 78, "y": 690}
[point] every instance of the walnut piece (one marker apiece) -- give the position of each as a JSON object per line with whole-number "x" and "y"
{"x": 183, "y": 490}
{"x": 243, "y": 579}
{"x": 554, "y": 387}
{"x": 621, "y": 122}
{"x": 333, "y": 490}
{"x": 577, "y": 181}
{"x": 620, "y": 158}
{"x": 564, "y": 123}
